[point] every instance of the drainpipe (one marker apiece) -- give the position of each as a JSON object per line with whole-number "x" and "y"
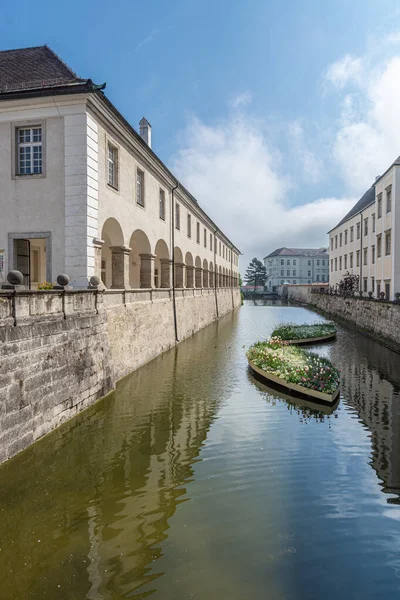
{"x": 215, "y": 274}
{"x": 233, "y": 303}
{"x": 361, "y": 252}
{"x": 173, "y": 260}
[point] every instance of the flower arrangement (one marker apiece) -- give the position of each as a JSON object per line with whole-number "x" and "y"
{"x": 45, "y": 285}
{"x": 294, "y": 365}
{"x": 291, "y": 331}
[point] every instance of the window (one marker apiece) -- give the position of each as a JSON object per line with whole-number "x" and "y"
{"x": 288, "y": 262}
{"x": 281, "y": 281}
{"x": 358, "y": 230}
{"x": 365, "y": 256}
{"x": 309, "y": 272}
{"x": 309, "y": 263}
{"x": 373, "y": 255}
{"x": 30, "y": 151}
{"x": 317, "y": 277}
{"x": 335, "y": 267}
{"x": 112, "y": 164}
{"x": 365, "y": 284}
{"x": 340, "y": 238}
{"x": 198, "y": 232}
{"x": 309, "y": 281}
{"x": 379, "y": 206}
{"x": 345, "y": 236}
{"x": 140, "y": 188}
{"x": 288, "y": 272}
{"x": 211, "y": 245}
{"x": 365, "y": 226}
{"x": 379, "y": 246}
{"x": 335, "y": 241}
{"x": 177, "y": 216}
{"x": 388, "y": 243}
{"x": 282, "y": 262}
{"x": 323, "y": 263}
{"x": 220, "y": 248}
{"x": 378, "y": 289}
{"x": 189, "y": 225}
{"x": 345, "y": 261}
{"x": 162, "y": 204}
{"x": 223, "y": 250}
{"x": 294, "y": 281}
{"x": 340, "y": 263}
{"x": 373, "y": 223}
{"x": 294, "y": 272}
{"x": 331, "y": 243}
{"x": 323, "y": 277}
{"x": 282, "y": 272}
{"x": 373, "y": 284}
{"x": 294, "y": 263}
{"x": 331, "y": 264}
{"x": 351, "y": 234}
{"x": 205, "y": 237}
{"x": 387, "y": 291}
{"x": 358, "y": 258}
{"x": 351, "y": 260}
{"x": 388, "y": 200}
{"x": 317, "y": 263}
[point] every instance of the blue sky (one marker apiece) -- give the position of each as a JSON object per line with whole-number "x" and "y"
{"x": 266, "y": 110}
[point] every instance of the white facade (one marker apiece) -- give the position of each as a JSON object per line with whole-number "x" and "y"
{"x": 79, "y": 224}
{"x": 367, "y": 242}
{"x": 295, "y": 265}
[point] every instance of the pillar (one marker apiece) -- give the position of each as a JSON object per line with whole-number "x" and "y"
{"x": 166, "y": 264}
{"x": 179, "y": 272}
{"x": 147, "y": 270}
{"x": 189, "y": 276}
{"x": 120, "y": 267}
{"x": 98, "y": 246}
{"x": 205, "y": 278}
{"x": 199, "y": 277}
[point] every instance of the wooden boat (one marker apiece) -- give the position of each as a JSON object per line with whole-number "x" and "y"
{"x": 294, "y": 387}
{"x": 315, "y": 340}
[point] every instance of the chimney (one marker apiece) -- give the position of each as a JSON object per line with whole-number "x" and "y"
{"x": 145, "y": 131}
{"x": 377, "y": 177}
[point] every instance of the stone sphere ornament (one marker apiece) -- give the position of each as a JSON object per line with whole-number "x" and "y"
{"x": 15, "y": 277}
{"x": 94, "y": 281}
{"x": 63, "y": 279}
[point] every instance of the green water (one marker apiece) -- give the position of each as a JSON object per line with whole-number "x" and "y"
{"x": 195, "y": 481}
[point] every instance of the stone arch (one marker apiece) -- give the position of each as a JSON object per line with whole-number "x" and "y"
{"x": 113, "y": 237}
{"x": 189, "y": 270}
{"x": 179, "y": 268}
{"x": 162, "y": 265}
{"x": 205, "y": 274}
{"x": 141, "y": 264}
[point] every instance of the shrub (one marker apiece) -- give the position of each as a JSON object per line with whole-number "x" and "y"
{"x": 45, "y": 285}
{"x": 291, "y": 331}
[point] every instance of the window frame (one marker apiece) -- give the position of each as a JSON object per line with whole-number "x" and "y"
{"x": 189, "y": 225}
{"x": 197, "y": 232}
{"x": 142, "y": 188}
{"x": 388, "y": 191}
{"x": 27, "y": 124}
{"x": 177, "y": 209}
{"x": 161, "y": 204}
{"x": 115, "y": 162}
{"x": 388, "y": 236}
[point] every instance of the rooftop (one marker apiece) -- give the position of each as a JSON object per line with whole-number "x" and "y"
{"x": 298, "y": 252}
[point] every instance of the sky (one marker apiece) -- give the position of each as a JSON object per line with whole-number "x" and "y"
{"x": 276, "y": 116}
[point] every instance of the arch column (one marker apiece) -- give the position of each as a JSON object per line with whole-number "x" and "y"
{"x": 211, "y": 278}
{"x": 179, "y": 274}
{"x": 147, "y": 270}
{"x": 205, "y": 278}
{"x": 120, "y": 267}
{"x": 189, "y": 275}
{"x": 166, "y": 265}
{"x": 98, "y": 246}
{"x": 199, "y": 277}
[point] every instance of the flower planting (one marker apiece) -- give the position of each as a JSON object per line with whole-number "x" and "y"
{"x": 291, "y": 331}
{"x": 294, "y": 365}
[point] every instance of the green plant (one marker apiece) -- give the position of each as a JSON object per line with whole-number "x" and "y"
{"x": 294, "y": 365}
{"x": 291, "y": 331}
{"x": 45, "y": 285}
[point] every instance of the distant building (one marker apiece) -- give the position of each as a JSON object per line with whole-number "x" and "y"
{"x": 296, "y": 265}
{"x": 364, "y": 241}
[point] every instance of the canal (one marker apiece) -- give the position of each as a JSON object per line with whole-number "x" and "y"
{"x": 194, "y": 481}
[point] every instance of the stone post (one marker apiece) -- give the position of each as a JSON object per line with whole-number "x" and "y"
{"x": 205, "y": 278}
{"x": 120, "y": 267}
{"x": 189, "y": 276}
{"x": 179, "y": 271}
{"x": 98, "y": 245}
{"x": 199, "y": 277}
{"x": 166, "y": 265}
{"x": 147, "y": 270}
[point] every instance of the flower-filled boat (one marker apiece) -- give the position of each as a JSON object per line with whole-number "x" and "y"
{"x": 293, "y": 368}
{"x": 305, "y": 334}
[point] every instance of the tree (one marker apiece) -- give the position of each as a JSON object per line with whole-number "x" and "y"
{"x": 256, "y": 273}
{"x": 348, "y": 284}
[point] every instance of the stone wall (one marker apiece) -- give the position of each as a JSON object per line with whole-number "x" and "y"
{"x": 60, "y": 352}
{"x": 380, "y": 320}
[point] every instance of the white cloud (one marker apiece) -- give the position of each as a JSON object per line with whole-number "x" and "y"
{"x": 393, "y": 38}
{"x": 242, "y": 100}
{"x": 348, "y": 68}
{"x": 311, "y": 165}
{"x": 238, "y": 178}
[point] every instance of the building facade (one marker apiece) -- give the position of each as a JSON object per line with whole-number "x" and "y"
{"x": 83, "y": 193}
{"x": 364, "y": 242}
{"x": 296, "y": 265}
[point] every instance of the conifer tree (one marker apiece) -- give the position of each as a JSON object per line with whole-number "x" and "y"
{"x": 256, "y": 273}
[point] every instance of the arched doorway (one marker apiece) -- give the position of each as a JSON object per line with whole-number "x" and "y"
{"x": 189, "y": 270}
{"x": 114, "y": 255}
{"x": 162, "y": 266}
{"x": 179, "y": 267}
{"x": 205, "y": 274}
{"x": 141, "y": 267}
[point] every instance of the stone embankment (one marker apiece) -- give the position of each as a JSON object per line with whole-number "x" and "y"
{"x": 60, "y": 351}
{"x": 376, "y": 318}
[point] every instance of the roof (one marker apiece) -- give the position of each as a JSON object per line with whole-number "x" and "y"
{"x": 298, "y": 252}
{"x": 38, "y": 71}
{"x": 366, "y": 200}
